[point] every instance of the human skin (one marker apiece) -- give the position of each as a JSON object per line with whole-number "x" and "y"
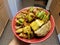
{"x": 15, "y": 41}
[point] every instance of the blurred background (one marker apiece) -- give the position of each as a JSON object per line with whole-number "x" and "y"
{"x": 9, "y": 8}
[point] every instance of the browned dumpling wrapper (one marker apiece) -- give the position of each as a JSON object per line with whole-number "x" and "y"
{"x": 44, "y": 29}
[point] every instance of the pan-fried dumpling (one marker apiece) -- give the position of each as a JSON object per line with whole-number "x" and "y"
{"x": 36, "y": 24}
{"x": 44, "y": 29}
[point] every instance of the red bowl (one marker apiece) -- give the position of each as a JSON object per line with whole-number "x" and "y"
{"x": 34, "y": 40}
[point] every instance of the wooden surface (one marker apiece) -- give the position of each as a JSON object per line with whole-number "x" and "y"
{"x": 55, "y": 10}
{"x": 40, "y": 3}
{"x": 3, "y": 17}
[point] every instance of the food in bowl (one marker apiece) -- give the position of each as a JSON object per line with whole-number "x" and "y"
{"x": 33, "y": 22}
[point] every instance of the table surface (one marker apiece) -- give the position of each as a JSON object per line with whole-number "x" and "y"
{"x": 8, "y": 36}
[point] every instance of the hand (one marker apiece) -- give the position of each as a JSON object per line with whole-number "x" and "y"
{"x": 15, "y": 41}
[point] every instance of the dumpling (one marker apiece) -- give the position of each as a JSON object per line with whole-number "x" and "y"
{"x": 44, "y": 29}
{"x": 36, "y": 24}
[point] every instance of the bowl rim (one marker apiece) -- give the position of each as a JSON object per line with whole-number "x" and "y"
{"x": 30, "y": 41}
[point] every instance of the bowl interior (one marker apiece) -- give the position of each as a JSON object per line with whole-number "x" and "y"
{"x": 34, "y": 40}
